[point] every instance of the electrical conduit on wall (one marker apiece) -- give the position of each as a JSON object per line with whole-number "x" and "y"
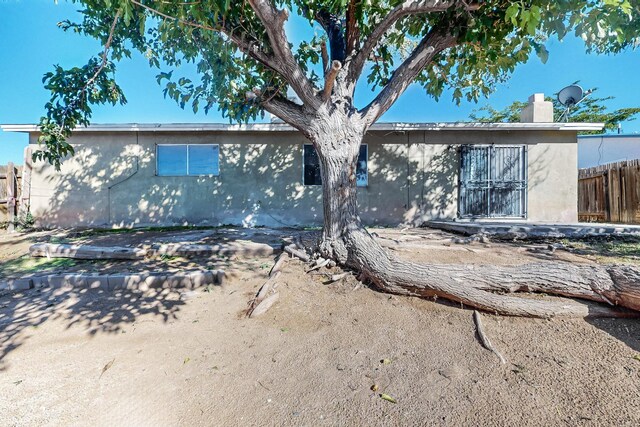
{"x": 137, "y": 168}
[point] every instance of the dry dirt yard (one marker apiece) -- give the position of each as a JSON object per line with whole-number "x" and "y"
{"x": 191, "y": 358}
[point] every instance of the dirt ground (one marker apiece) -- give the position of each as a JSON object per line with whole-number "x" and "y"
{"x": 191, "y": 358}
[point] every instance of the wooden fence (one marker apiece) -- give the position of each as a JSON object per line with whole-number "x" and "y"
{"x": 610, "y": 193}
{"x": 10, "y": 189}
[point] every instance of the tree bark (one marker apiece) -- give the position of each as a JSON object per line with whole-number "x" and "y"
{"x": 345, "y": 240}
{"x": 338, "y": 155}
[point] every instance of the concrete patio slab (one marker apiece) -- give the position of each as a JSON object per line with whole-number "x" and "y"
{"x": 524, "y": 230}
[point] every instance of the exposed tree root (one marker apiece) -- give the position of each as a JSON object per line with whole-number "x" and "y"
{"x": 280, "y": 262}
{"x": 291, "y": 249}
{"x": 320, "y": 262}
{"x": 336, "y": 277}
{"x": 267, "y": 295}
{"x": 484, "y": 339}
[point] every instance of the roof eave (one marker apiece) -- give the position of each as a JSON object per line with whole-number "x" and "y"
{"x": 283, "y": 127}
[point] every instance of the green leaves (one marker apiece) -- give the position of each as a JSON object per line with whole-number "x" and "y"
{"x": 590, "y": 110}
{"x": 542, "y": 52}
{"x": 490, "y": 43}
{"x": 73, "y": 92}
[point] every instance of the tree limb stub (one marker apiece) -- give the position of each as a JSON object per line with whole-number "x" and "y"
{"x": 325, "y": 57}
{"x": 331, "y": 79}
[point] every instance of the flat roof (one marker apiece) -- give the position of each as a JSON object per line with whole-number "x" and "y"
{"x": 283, "y": 127}
{"x": 610, "y": 135}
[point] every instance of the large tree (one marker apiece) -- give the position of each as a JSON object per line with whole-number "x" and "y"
{"x": 246, "y": 63}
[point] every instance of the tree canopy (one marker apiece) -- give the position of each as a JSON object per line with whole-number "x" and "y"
{"x": 590, "y": 110}
{"x": 245, "y": 62}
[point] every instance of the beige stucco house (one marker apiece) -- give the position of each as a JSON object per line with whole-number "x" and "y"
{"x": 266, "y": 174}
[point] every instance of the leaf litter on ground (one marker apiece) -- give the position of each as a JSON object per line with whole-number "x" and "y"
{"x": 388, "y": 398}
{"x": 107, "y": 367}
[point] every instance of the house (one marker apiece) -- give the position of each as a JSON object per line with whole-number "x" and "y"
{"x": 597, "y": 150}
{"x": 267, "y": 174}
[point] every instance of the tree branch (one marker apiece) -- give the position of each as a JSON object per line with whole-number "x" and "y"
{"x": 433, "y": 43}
{"x": 408, "y": 7}
{"x": 244, "y": 46}
{"x": 353, "y": 32}
{"x": 273, "y": 21}
{"x": 287, "y": 110}
{"x": 105, "y": 59}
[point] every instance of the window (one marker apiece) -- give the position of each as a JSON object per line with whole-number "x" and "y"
{"x": 187, "y": 159}
{"x": 311, "y": 166}
{"x": 493, "y": 181}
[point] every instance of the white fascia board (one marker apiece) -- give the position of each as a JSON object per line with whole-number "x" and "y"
{"x": 283, "y": 127}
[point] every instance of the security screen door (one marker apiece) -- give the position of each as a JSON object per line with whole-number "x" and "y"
{"x": 493, "y": 182}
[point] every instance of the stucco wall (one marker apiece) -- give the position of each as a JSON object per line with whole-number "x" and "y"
{"x": 412, "y": 176}
{"x": 553, "y": 182}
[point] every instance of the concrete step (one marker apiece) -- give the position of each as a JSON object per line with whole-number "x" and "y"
{"x": 110, "y": 282}
{"x": 236, "y": 248}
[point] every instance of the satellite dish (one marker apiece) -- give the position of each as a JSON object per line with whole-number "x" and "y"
{"x": 570, "y": 95}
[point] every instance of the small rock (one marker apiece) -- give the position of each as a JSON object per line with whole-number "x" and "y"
{"x": 188, "y": 295}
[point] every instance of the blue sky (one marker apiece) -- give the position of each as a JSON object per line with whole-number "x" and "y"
{"x": 30, "y": 43}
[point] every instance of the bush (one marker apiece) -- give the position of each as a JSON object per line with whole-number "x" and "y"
{"x": 25, "y": 222}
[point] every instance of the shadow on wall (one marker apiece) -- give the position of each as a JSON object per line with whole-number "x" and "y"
{"x": 112, "y": 182}
{"x": 409, "y": 180}
{"x": 116, "y": 184}
{"x": 258, "y": 184}
{"x": 538, "y": 171}
{"x": 436, "y": 179}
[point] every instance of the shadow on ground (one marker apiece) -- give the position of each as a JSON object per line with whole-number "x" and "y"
{"x": 95, "y": 310}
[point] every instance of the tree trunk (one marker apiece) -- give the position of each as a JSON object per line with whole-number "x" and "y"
{"x": 338, "y": 156}
{"x": 484, "y": 287}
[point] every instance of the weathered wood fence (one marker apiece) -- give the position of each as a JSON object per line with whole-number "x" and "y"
{"x": 610, "y": 193}
{"x": 10, "y": 189}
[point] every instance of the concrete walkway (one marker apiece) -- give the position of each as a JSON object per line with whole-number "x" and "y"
{"x": 523, "y": 230}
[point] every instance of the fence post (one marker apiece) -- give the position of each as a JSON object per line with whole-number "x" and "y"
{"x": 607, "y": 196}
{"x": 25, "y": 192}
{"x": 11, "y": 196}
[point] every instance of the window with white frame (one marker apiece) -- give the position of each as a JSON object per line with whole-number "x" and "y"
{"x": 187, "y": 159}
{"x": 311, "y": 166}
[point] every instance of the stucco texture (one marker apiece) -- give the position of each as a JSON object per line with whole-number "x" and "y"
{"x": 413, "y": 176}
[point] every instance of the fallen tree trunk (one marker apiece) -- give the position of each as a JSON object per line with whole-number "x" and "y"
{"x": 486, "y": 287}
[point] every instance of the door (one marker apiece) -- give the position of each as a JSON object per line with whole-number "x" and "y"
{"x": 493, "y": 182}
